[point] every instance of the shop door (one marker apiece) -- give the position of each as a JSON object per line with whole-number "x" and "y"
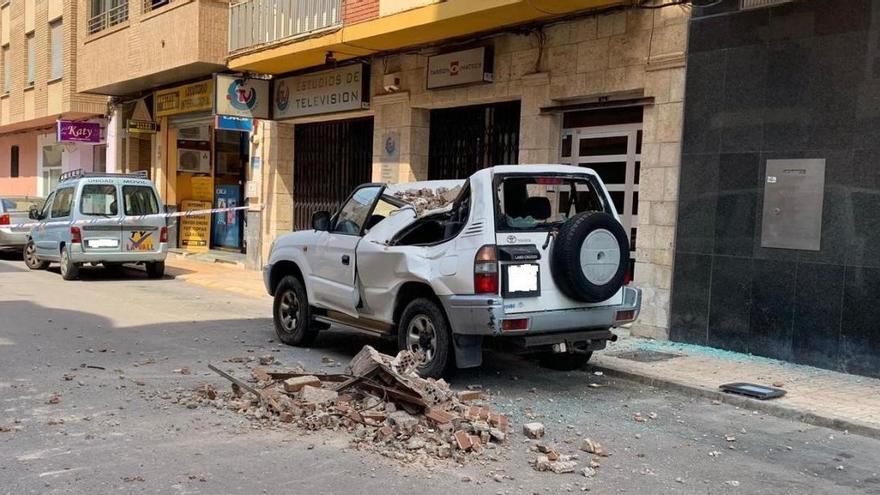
{"x": 466, "y": 139}
{"x": 330, "y": 160}
{"x": 614, "y": 152}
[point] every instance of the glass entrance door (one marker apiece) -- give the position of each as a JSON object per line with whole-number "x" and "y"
{"x": 614, "y": 152}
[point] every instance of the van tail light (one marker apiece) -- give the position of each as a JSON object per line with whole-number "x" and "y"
{"x": 4, "y": 219}
{"x": 486, "y": 270}
{"x": 163, "y": 234}
{"x": 76, "y": 236}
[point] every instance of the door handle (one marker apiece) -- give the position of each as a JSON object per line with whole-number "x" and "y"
{"x": 345, "y": 259}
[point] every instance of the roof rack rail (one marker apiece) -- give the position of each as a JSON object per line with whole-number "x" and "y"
{"x": 79, "y": 173}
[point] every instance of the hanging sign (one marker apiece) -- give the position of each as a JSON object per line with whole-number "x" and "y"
{"x": 195, "y": 97}
{"x": 239, "y": 97}
{"x": 336, "y": 90}
{"x": 141, "y": 122}
{"x": 78, "y": 132}
{"x": 459, "y": 68}
{"x": 230, "y": 123}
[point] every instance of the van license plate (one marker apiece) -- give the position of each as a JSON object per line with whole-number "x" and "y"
{"x": 521, "y": 280}
{"x": 102, "y": 243}
{"x": 139, "y": 240}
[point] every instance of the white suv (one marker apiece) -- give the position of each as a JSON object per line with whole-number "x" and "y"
{"x": 532, "y": 255}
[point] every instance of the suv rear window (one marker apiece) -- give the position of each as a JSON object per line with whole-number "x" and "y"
{"x": 98, "y": 200}
{"x": 139, "y": 200}
{"x": 541, "y": 202}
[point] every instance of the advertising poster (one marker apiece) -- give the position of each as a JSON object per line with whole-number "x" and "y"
{"x": 227, "y": 225}
{"x": 195, "y": 231}
{"x": 202, "y": 188}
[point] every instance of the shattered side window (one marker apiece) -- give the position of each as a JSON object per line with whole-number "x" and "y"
{"x": 353, "y": 215}
{"x": 539, "y": 202}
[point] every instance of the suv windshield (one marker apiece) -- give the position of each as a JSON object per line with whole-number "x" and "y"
{"x": 98, "y": 200}
{"x": 139, "y": 200}
{"x": 539, "y": 202}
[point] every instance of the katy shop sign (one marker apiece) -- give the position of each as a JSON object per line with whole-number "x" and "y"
{"x": 237, "y": 96}
{"x": 459, "y": 68}
{"x": 336, "y": 90}
{"x": 70, "y": 131}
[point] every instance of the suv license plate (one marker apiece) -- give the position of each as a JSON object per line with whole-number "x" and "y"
{"x": 139, "y": 240}
{"x": 521, "y": 280}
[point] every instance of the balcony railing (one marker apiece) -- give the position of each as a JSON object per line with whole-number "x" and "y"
{"x": 108, "y": 18}
{"x": 257, "y": 22}
{"x": 151, "y": 5}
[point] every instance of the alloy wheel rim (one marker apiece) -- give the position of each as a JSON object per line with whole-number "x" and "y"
{"x": 64, "y": 263}
{"x": 289, "y": 309}
{"x": 421, "y": 336}
{"x": 30, "y": 255}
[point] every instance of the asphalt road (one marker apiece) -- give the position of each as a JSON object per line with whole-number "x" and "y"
{"x": 121, "y": 338}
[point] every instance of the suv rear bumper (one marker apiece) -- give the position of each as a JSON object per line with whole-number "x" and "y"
{"x": 484, "y": 315}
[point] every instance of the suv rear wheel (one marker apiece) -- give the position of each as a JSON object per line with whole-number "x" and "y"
{"x": 69, "y": 269}
{"x": 423, "y": 329}
{"x": 31, "y": 260}
{"x": 292, "y": 314}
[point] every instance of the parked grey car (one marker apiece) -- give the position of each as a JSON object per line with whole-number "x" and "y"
{"x": 99, "y": 218}
{"x": 14, "y": 211}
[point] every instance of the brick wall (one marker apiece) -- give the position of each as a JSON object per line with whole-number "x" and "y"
{"x": 354, "y": 11}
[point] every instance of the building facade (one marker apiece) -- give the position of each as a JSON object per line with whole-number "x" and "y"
{"x": 403, "y": 91}
{"x": 777, "y": 225}
{"x": 38, "y": 61}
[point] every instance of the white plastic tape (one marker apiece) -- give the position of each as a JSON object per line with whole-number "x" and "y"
{"x": 129, "y": 219}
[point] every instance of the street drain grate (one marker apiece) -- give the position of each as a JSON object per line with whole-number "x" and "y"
{"x": 646, "y": 356}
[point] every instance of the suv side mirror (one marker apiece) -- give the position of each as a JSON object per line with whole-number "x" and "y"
{"x": 321, "y": 220}
{"x": 33, "y": 213}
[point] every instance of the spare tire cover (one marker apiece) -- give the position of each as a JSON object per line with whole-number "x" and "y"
{"x": 590, "y": 257}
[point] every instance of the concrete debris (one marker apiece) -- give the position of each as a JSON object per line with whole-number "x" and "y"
{"x": 533, "y": 430}
{"x": 427, "y": 199}
{"x": 588, "y": 472}
{"x": 594, "y": 447}
{"x": 556, "y": 463}
{"x": 382, "y": 403}
{"x": 267, "y": 359}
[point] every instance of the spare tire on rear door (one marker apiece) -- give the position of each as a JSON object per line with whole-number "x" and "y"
{"x": 590, "y": 257}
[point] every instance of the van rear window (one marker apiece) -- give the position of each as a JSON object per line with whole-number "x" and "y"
{"x": 139, "y": 200}
{"x": 542, "y": 202}
{"x": 98, "y": 200}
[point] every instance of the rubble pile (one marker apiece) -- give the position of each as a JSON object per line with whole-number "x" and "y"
{"x": 381, "y": 401}
{"x": 427, "y": 199}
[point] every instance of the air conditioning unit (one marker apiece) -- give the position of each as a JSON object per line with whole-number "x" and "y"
{"x": 193, "y": 161}
{"x": 194, "y": 133}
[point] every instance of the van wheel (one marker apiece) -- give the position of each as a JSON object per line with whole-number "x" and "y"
{"x": 30, "y": 257}
{"x": 564, "y": 362}
{"x": 423, "y": 329}
{"x": 69, "y": 269}
{"x": 156, "y": 269}
{"x": 292, "y": 314}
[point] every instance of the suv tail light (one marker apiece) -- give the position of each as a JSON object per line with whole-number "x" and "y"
{"x": 4, "y": 219}
{"x": 76, "y": 235}
{"x": 163, "y": 234}
{"x": 486, "y": 270}
{"x": 628, "y": 275}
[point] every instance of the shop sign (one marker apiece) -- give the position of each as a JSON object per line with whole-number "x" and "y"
{"x": 141, "y": 126}
{"x": 78, "y": 132}
{"x": 195, "y": 231}
{"x": 336, "y": 90}
{"x": 241, "y": 97}
{"x": 231, "y": 123}
{"x": 195, "y": 97}
{"x": 459, "y": 68}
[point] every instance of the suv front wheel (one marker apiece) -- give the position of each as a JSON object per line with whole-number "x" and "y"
{"x": 292, "y": 314}
{"x": 423, "y": 330}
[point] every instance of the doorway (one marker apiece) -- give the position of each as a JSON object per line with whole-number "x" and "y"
{"x": 614, "y": 151}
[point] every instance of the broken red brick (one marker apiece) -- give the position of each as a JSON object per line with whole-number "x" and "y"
{"x": 470, "y": 395}
{"x": 463, "y": 440}
{"x": 297, "y": 383}
{"x": 377, "y": 416}
{"x": 260, "y": 375}
{"x": 286, "y": 417}
{"x": 484, "y": 413}
{"x": 476, "y": 443}
{"x": 499, "y": 421}
{"x": 438, "y": 416}
{"x": 384, "y": 432}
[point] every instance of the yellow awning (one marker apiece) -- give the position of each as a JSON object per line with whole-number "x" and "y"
{"x": 432, "y": 23}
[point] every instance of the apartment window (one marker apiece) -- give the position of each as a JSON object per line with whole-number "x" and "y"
{"x": 106, "y": 13}
{"x": 56, "y": 46}
{"x": 13, "y": 161}
{"x": 7, "y": 71}
{"x": 31, "y": 65}
{"x": 154, "y": 4}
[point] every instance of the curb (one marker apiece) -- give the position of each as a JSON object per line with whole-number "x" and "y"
{"x": 777, "y": 410}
